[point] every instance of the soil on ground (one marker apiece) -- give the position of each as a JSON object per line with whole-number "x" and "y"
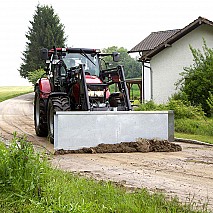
{"x": 141, "y": 145}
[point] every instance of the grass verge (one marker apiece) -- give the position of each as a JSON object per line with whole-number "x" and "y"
{"x": 29, "y": 184}
{"x": 195, "y": 126}
{"x": 7, "y": 92}
{"x": 202, "y": 138}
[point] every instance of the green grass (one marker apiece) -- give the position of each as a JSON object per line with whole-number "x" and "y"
{"x": 29, "y": 184}
{"x": 200, "y": 128}
{"x": 202, "y": 138}
{"x": 7, "y": 92}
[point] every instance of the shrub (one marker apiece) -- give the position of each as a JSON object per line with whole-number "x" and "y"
{"x": 181, "y": 110}
{"x": 35, "y": 75}
{"x": 196, "y": 81}
{"x": 150, "y": 106}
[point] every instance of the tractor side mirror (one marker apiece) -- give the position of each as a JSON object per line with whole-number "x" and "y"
{"x": 115, "y": 56}
{"x": 44, "y": 53}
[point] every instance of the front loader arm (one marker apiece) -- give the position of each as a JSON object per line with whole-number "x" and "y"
{"x": 78, "y": 87}
{"x": 116, "y": 76}
{"x": 84, "y": 97}
{"x": 124, "y": 87}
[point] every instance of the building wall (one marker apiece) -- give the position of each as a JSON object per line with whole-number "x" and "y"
{"x": 169, "y": 63}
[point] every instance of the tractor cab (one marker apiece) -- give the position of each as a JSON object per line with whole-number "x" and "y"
{"x": 90, "y": 62}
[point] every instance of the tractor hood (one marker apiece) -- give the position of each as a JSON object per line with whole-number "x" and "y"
{"x": 90, "y": 79}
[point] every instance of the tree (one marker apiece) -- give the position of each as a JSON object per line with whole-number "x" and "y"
{"x": 197, "y": 79}
{"x": 132, "y": 66}
{"x": 46, "y": 31}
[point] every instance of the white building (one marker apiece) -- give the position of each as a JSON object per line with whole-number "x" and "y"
{"x": 164, "y": 54}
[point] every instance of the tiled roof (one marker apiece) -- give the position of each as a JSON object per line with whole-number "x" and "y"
{"x": 153, "y": 40}
{"x": 162, "y": 44}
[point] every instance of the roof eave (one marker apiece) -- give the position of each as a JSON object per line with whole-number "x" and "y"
{"x": 176, "y": 37}
{"x": 134, "y": 51}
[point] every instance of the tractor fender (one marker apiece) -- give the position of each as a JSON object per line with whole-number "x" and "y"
{"x": 54, "y": 94}
{"x": 44, "y": 87}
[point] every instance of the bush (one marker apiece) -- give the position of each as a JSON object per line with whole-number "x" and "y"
{"x": 150, "y": 106}
{"x": 196, "y": 81}
{"x": 181, "y": 110}
{"x": 35, "y": 75}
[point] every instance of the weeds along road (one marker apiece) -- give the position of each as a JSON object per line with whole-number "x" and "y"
{"x": 187, "y": 174}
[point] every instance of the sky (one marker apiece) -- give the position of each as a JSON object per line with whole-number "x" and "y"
{"x": 93, "y": 24}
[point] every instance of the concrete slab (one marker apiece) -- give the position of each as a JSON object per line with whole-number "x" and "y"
{"x": 75, "y": 130}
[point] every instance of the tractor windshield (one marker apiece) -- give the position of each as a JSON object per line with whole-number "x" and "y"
{"x": 91, "y": 62}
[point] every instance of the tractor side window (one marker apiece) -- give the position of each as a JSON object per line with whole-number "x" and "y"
{"x": 92, "y": 66}
{"x": 62, "y": 71}
{"x": 69, "y": 62}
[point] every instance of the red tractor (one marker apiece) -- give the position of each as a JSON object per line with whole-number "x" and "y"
{"x": 76, "y": 82}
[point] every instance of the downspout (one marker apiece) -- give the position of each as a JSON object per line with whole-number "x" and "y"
{"x": 151, "y": 82}
{"x": 143, "y": 80}
{"x": 143, "y": 93}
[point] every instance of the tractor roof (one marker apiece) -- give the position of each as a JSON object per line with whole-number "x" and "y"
{"x": 75, "y": 50}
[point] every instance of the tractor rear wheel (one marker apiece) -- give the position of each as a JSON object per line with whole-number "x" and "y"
{"x": 40, "y": 116}
{"x": 57, "y": 103}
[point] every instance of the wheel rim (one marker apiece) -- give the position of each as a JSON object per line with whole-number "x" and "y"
{"x": 37, "y": 113}
{"x": 51, "y": 121}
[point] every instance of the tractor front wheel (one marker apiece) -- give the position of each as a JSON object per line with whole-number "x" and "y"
{"x": 56, "y": 103}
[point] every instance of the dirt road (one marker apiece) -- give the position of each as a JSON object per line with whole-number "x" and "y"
{"x": 16, "y": 114}
{"x": 187, "y": 174}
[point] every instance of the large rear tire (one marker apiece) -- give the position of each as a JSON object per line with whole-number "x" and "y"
{"x": 40, "y": 115}
{"x": 57, "y": 103}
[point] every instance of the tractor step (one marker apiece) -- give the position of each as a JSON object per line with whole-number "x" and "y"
{"x": 76, "y": 130}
